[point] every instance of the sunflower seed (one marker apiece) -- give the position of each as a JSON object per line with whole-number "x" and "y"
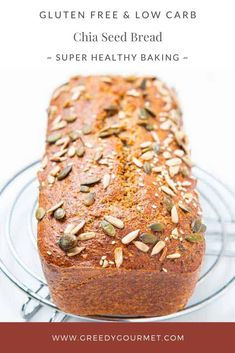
{"x": 155, "y": 136}
{"x": 98, "y": 155}
{"x": 55, "y": 171}
{"x": 80, "y": 151}
{"x": 195, "y": 238}
{"x": 71, "y": 151}
{"x": 167, "y": 190}
{"x": 64, "y": 172}
{"x": 173, "y": 161}
{"x": 89, "y": 199}
{"x": 90, "y": 181}
{"x": 67, "y": 242}
{"x": 44, "y": 162}
{"x": 174, "y": 170}
{"x": 176, "y": 255}
{"x": 86, "y": 129}
{"x": 147, "y": 155}
{"x": 75, "y": 251}
{"x": 70, "y": 118}
{"x": 86, "y": 236}
{"x": 53, "y": 208}
{"x": 54, "y": 137}
{"x": 130, "y": 237}
{"x": 118, "y": 223}
{"x": 77, "y": 227}
{"x": 40, "y": 213}
{"x": 156, "y": 147}
{"x": 174, "y": 215}
{"x": 158, "y": 247}
{"x": 170, "y": 183}
{"x": 50, "y": 179}
{"x": 148, "y": 238}
{"x": 118, "y": 257}
{"x": 74, "y": 135}
{"x": 59, "y": 125}
{"x": 69, "y": 228}
{"x": 84, "y": 188}
{"x": 137, "y": 162}
{"x": 141, "y": 246}
{"x": 111, "y": 110}
{"x": 188, "y": 161}
{"x": 108, "y": 228}
{"x": 157, "y": 227}
{"x": 59, "y": 213}
{"x": 147, "y": 168}
{"x": 146, "y": 144}
{"x": 106, "y": 180}
{"x": 184, "y": 207}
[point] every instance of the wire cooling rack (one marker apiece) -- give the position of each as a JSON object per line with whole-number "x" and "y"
{"x": 19, "y": 259}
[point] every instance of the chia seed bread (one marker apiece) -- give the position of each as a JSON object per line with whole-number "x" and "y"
{"x": 120, "y": 227}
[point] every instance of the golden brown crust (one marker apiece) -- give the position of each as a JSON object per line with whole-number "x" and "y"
{"x": 131, "y": 111}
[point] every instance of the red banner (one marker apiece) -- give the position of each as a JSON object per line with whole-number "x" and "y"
{"x": 111, "y": 338}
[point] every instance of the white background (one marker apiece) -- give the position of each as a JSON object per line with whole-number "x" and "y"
{"x": 205, "y": 84}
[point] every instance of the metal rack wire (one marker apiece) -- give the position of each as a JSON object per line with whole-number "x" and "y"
{"x": 19, "y": 260}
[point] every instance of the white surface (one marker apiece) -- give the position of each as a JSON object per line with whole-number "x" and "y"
{"x": 205, "y": 86}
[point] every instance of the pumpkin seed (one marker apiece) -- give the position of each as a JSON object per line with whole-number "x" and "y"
{"x": 184, "y": 171}
{"x": 64, "y": 172}
{"x": 114, "y": 221}
{"x": 59, "y": 213}
{"x": 143, "y": 84}
{"x": 40, "y": 213}
{"x": 80, "y": 151}
{"x": 176, "y": 255}
{"x": 203, "y": 228}
{"x": 156, "y": 147}
{"x": 148, "y": 238}
{"x": 90, "y": 181}
{"x": 118, "y": 257}
{"x": 143, "y": 114}
{"x": 184, "y": 207}
{"x": 86, "y": 129}
{"x": 130, "y": 237}
{"x": 53, "y": 137}
{"x": 149, "y": 127}
{"x": 86, "y": 236}
{"x": 147, "y": 168}
{"x": 195, "y": 238}
{"x": 89, "y": 199}
{"x": 168, "y": 203}
{"x": 150, "y": 112}
{"x": 67, "y": 242}
{"x": 196, "y": 225}
{"x": 141, "y": 246}
{"x": 108, "y": 228}
{"x": 84, "y": 188}
{"x": 111, "y": 110}
{"x": 157, "y": 227}
{"x": 75, "y": 251}
{"x": 158, "y": 247}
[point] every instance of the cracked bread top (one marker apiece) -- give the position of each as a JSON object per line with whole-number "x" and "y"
{"x": 116, "y": 189}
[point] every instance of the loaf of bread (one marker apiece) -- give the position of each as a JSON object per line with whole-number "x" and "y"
{"x": 120, "y": 227}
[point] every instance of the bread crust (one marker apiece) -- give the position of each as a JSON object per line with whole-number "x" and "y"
{"x": 91, "y": 282}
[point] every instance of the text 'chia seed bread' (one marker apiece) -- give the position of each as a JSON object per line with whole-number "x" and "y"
{"x": 119, "y": 222}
